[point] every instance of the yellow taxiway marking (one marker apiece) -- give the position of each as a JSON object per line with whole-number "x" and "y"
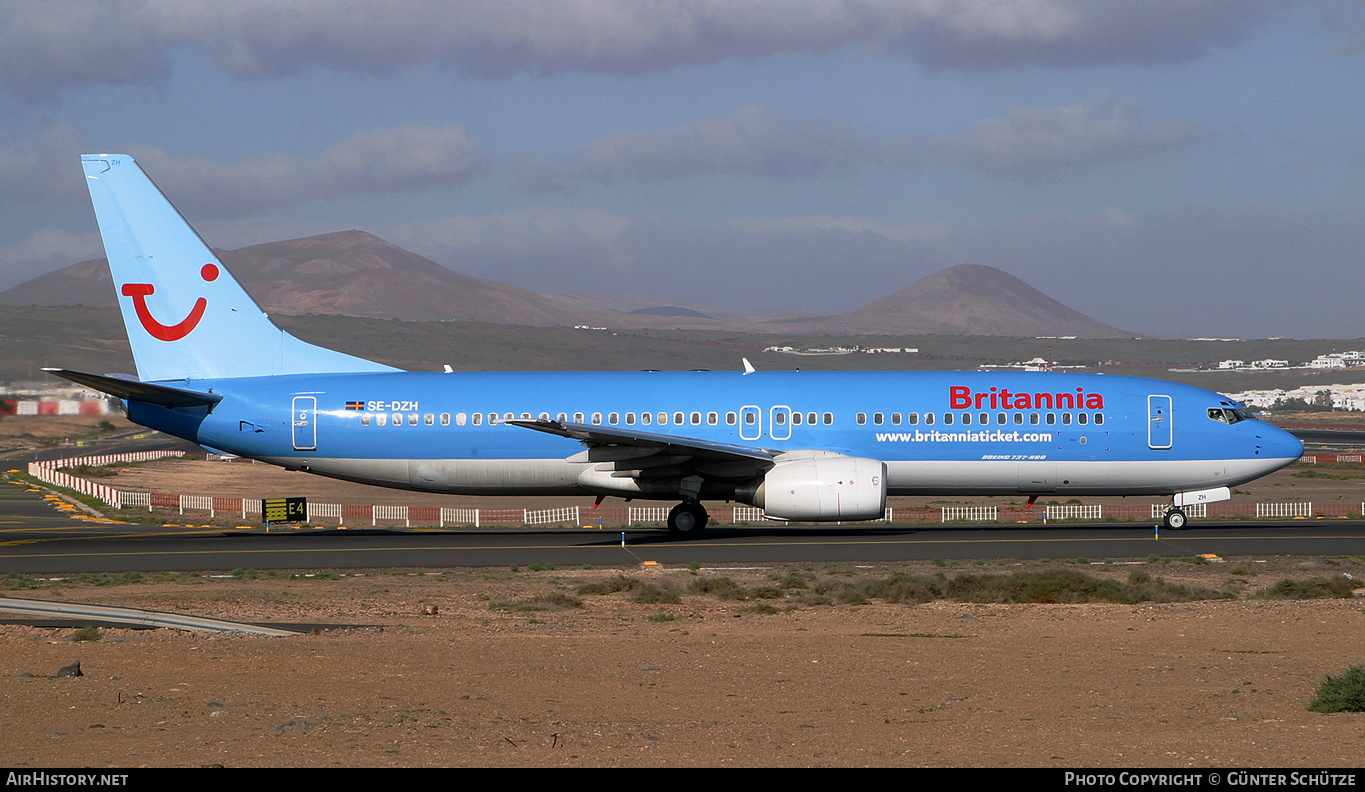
{"x": 803, "y": 543}
{"x": 140, "y": 535}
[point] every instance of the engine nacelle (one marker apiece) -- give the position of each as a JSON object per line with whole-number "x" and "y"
{"x": 824, "y": 487}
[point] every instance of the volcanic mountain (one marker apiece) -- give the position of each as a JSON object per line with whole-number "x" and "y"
{"x": 348, "y": 272}
{"x": 969, "y": 299}
{"x": 353, "y": 273}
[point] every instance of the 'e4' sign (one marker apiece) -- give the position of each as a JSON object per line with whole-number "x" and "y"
{"x": 284, "y": 510}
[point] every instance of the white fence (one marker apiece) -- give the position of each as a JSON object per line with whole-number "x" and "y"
{"x": 1286, "y": 509}
{"x": 250, "y": 508}
{"x": 956, "y": 513}
{"x": 1073, "y": 511}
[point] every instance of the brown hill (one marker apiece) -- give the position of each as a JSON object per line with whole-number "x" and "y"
{"x": 969, "y": 299}
{"x": 353, "y": 273}
{"x": 348, "y": 272}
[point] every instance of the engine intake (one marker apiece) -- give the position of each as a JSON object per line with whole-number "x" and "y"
{"x": 823, "y": 487}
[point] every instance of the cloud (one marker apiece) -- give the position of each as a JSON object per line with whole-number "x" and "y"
{"x": 49, "y": 45}
{"x": 1056, "y": 142}
{"x": 45, "y": 250}
{"x": 42, "y": 166}
{"x": 367, "y": 163}
{"x": 1029, "y": 143}
{"x": 750, "y": 142}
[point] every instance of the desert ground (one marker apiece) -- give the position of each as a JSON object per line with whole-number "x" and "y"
{"x": 773, "y": 666}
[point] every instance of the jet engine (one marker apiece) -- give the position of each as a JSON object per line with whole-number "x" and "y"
{"x": 822, "y": 486}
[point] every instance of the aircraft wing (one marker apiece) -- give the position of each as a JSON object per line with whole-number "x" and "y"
{"x": 623, "y": 452}
{"x": 594, "y": 436}
{"x": 134, "y": 390}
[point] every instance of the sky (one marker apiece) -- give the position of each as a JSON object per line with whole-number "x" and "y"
{"x": 1192, "y": 167}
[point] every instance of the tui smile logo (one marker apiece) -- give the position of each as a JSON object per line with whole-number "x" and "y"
{"x": 163, "y": 332}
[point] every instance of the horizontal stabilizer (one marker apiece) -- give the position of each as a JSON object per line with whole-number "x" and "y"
{"x": 133, "y": 390}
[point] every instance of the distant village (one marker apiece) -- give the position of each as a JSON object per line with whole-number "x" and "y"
{"x": 1331, "y": 397}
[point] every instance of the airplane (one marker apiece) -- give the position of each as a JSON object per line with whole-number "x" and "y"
{"x": 804, "y": 446}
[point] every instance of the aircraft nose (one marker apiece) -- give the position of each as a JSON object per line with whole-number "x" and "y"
{"x": 1275, "y": 443}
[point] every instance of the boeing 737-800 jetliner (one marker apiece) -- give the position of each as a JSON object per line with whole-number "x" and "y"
{"x": 804, "y": 446}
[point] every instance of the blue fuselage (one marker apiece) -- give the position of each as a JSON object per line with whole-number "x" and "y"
{"x": 940, "y": 432}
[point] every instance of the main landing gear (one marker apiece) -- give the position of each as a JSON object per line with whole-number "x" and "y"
{"x": 687, "y": 519}
{"x": 1174, "y": 519}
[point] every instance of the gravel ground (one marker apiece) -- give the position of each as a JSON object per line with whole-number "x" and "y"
{"x": 489, "y": 680}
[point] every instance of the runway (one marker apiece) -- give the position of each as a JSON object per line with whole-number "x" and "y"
{"x": 64, "y": 546}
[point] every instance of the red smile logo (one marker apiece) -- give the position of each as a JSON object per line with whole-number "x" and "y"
{"x": 175, "y": 332}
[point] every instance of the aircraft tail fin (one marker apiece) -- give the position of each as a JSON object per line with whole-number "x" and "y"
{"x": 186, "y": 316}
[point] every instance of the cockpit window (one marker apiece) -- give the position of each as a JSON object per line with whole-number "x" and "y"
{"x": 1230, "y": 416}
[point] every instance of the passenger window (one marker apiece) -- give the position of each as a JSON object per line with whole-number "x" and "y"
{"x": 613, "y": 418}
{"x": 895, "y": 419}
{"x": 912, "y": 418}
{"x": 696, "y": 419}
{"x": 780, "y": 418}
{"x": 829, "y": 419}
{"x": 861, "y": 419}
{"x": 1082, "y": 418}
{"x": 712, "y": 418}
{"x": 663, "y": 419}
{"x": 630, "y": 419}
{"x": 597, "y": 419}
{"x": 460, "y": 419}
{"x": 429, "y": 419}
{"x": 1000, "y": 418}
{"x": 1033, "y": 418}
{"x": 382, "y": 419}
{"x": 966, "y": 419}
{"x": 525, "y": 416}
{"x": 678, "y": 419}
{"x": 810, "y": 419}
{"x": 578, "y": 417}
{"x": 947, "y": 419}
{"x": 985, "y": 419}
{"x": 1099, "y": 418}
{"x": 478, "y": 419}
{"x": 365, "y": 419}
{"x": 1018, "y": 419}
{"x": 544, "y": 416}
{"x": 561, "y": 417}
{"x": 731, "y": 418}
{"x": 929, "y": 419}
{"x": 398, "y": 419}
{"x": 877, "y": 418}
{"x": 646, "y": 418}
{"x": 749, "y": 418}
{"x": 1066, "y": 419}
{"x": 445, "y": 419}
{"x": 510, "y": 416}
{"x": 1051, "y": 419}
{"x": 796, "y": 419}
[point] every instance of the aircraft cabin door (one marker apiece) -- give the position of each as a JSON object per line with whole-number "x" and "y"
{"x": 780, "y": 423}
{"x": 1159, "y": 422}
{"x": 750, "y": 422}
{"x": 304, "y": 418}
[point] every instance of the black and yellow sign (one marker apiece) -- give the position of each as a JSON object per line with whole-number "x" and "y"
{"x": 284, "y": 510}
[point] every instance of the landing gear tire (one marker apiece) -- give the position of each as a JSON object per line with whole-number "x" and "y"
{"x": 1175, "y": 519}
{"x": 687, "y": 519}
